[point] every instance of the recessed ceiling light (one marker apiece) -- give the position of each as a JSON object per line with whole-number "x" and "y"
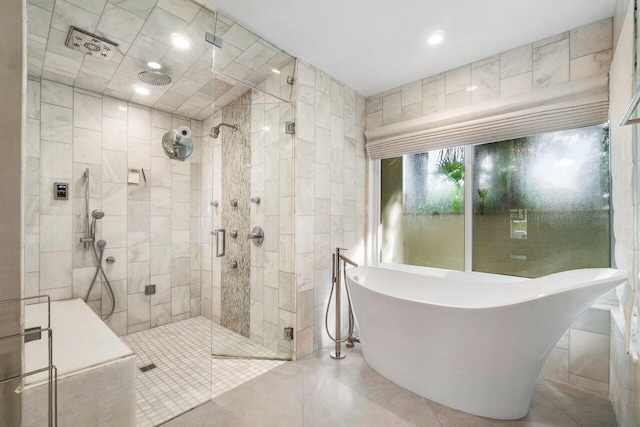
{"x": 180, "y": 41}
{"x": 275, "y": 71}
{"x": 141, "y": 90}
{"x": 435, "y": 38}
{"x": 470, "y": 88}
{"x": 154, "y": 65}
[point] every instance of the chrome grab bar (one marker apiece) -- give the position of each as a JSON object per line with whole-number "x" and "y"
{"x": 224, "y": 241}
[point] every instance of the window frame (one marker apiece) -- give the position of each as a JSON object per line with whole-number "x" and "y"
{"x": 374, "y": 243}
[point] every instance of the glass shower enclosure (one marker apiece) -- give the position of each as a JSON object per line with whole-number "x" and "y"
{"x": 247, "y": 201}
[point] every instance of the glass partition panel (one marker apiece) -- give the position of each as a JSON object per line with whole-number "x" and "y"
{"x": 422, "y": 209}
{"x": 541, "y": 203}
{"x": 241, "y": 58}
{"x": 249, "y": 172}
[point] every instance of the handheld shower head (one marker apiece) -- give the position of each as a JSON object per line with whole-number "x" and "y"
{"x": 97, "y": 214}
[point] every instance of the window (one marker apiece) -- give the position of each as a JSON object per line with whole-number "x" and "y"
{"x": 422, "y": 209}
{"x": 540, "y": 205}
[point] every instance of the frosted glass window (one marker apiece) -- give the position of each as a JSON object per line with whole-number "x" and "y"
{"x": 422, "y": 209}
{"x": 541, "y": 203}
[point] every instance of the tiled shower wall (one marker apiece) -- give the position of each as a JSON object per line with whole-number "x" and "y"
{"x": 581, "y": 356}
{"x": 583, "y": 52}
{"x": 271, "y": 168}
{"x": 235, "y": 301}
{"x": 271, "y": 172}
{"x": 150, "y": 228}
{"x": 330, "y": 194}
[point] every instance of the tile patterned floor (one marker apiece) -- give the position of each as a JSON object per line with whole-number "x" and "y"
{"x": 185, "y": 374}
{"x": 318, "y": 391}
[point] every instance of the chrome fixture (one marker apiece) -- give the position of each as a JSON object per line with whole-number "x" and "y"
{"x": 90, "y": 44}
{"x": 213, "y": 39}
{"x": 217, "y": 233}
{"x": 177, "y": 144}
{"x": 290, "y": 128}
{"x": 336, "y": 282}
{"x": 234, "y": 203}
{"x": 111, "y": 259}
{"x": 257, "y": 235}
{"x": 233, "y": 233}
{"x": 87, "y": 245}
{"x": 215, "y": 131}
{"x": 154, "y": 78}
{"x": 255, "y": 200}
{"x": 214, "y": 203}
{"x": 101, "y": 244}
{"x": 234, "y": 264}
{"x": 626, "y": 119}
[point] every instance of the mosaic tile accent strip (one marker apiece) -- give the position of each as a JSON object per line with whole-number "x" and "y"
{"x": 236, "y": 183}
{"x": 185, "y": 375}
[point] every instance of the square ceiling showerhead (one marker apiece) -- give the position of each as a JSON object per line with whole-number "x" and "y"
{"x": 90, "y": 44}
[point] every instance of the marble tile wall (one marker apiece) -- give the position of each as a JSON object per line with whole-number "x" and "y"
{"x": 576, "y": 54}
{"x": 272, "y": 264}
{"x": 150, "y": 228}
{"x": 236, "y": 184}
{"x": 581, "y": 356}
{"x": 624, "y": 381}
{"x": 312, "y": 191}
{"x": 330, "y": 191}
{"x": 271, "y": 278}
{"x": 624, "y": 390}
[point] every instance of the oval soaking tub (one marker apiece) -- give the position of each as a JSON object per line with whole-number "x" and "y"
{"x": 465, "y": 340}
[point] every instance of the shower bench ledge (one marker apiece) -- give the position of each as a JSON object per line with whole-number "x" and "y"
{"x": 96, "y": 370}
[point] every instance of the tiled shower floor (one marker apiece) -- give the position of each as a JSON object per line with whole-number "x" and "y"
{"x": 185, "y": 372}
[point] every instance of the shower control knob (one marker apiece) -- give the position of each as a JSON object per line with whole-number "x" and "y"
{"x": 256, "y": 235}
{"x": 111, "y": 259}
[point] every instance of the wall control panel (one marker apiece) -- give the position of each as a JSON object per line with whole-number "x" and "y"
{"x": 61, "y": 191}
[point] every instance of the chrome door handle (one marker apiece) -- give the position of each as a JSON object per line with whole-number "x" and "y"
{"x": 224, "y": 241}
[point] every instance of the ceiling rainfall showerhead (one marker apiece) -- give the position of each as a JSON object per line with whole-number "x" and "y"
{"x": 90, "y": 44}
{"x": 154, "y": 78}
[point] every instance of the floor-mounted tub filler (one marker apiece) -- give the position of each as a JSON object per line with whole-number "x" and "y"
{"x": 465, "y": 340}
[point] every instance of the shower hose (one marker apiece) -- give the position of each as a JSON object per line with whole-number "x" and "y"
{"x": 326, "y": 314}
{"x": 99, "y": 269}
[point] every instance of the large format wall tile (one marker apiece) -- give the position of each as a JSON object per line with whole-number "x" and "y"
{"x": 72, "y": 130}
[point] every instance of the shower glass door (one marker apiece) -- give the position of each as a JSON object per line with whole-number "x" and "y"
{"x": 248, "y": 255}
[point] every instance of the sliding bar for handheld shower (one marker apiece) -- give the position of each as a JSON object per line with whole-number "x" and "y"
{"x": 87, "y": 244}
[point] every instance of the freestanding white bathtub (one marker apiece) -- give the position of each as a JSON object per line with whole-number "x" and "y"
{"x": 464, "y": 341}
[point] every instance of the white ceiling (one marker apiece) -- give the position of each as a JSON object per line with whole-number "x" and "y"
{"x": 374, "y": 45}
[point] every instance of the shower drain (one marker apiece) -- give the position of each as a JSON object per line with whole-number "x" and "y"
{"x": 148, "y": 367}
